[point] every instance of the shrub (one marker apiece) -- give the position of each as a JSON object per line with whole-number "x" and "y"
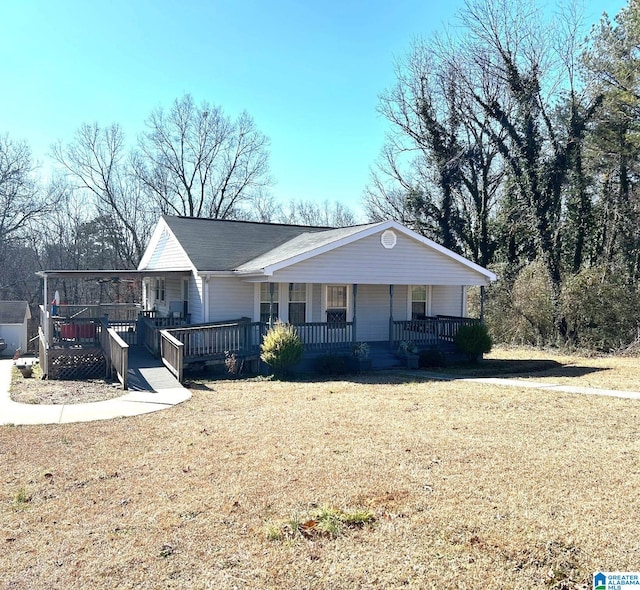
{"x": 473, "y": 340}
{"x": 332, "y": 364}
{"x": 601, "y": 310}
{"x": 431, "y": 357}
{"x": 281, "y": 348}
{"x": 519, "y": 309}
{"x": 361, "y": 350}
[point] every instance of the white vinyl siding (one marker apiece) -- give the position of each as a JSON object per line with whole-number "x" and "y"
{"x": 229, "y": 299}
{"x": 196, "y": 308}
{"x": 446, "y": 300}
{"x": 168, "y": 254}
{"x": 316, "y": 303}
{"x": 372, "y": 312}
{"x": 366, "y": 261}
{"x": 15, "y": 336}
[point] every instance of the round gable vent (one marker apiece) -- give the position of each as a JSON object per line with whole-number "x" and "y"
{"x": 388, "y": 239}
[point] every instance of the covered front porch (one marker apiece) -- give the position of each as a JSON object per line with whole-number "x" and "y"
{"x": 214, "y": 343}
{"x": 78, "y": 340}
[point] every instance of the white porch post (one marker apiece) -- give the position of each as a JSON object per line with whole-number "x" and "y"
{"x": 46, "y": 328}
{"x": 355, "y": 303}
{"x": 482, "y": 304}
{"x": 391, "y": 315}
{"x": 46, "y": 311}
{"x": 271, "y": 291}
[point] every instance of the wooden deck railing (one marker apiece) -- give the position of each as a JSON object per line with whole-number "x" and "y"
{"x": 149, "y": 325}
{"x": 205, "y": 342}
{"x": 213, "y": 341}
{"x": 429, "y": 331}
{"x": 116, "y": 353}
{"x": 115, "y": 311}
{"x": 126, "y": 329}
{"x": 172, "y": 353}
{"x": 325, "y": 335}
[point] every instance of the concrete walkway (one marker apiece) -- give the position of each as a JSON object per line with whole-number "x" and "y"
{"x": 151, "y": 388}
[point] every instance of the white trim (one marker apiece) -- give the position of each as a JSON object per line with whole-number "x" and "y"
{"x": 323, "y": 305}
{"x": 429, "y": 287}
{"x": 283, "y": 301}
{"x": 463, "y": 303}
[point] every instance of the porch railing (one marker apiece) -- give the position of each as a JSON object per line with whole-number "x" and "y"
{"x": 116, "y": 353}
{"x": 325, "y": 335}
{"x": 215, "y": 340}
{"x": 428, "y": 331}
{"x": 172, "y": 353}
{"x": 149, "y": 327}
{"x": 115, "y": 311}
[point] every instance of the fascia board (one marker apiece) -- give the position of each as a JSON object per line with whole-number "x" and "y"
{"x": 215, "y": 273}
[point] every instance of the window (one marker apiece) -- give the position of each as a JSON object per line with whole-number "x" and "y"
{"x": 418, "y": 302}
{"x": 265, "y": 301}
{"x": 159, "y": 290}
{"x": 336, "y": 303}
{"x": 297, "y": 303}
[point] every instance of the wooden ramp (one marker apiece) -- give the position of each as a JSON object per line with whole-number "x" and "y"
{"x": 147, "y": 373}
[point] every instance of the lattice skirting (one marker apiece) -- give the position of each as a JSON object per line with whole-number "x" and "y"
{"x": 86, "y": 363}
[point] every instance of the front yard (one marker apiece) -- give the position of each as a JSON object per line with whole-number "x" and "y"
{"x": 469, "y": 486}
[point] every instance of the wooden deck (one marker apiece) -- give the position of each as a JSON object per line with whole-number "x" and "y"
{"x": 159, "y": 349}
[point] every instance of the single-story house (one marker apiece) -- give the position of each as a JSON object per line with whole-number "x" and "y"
{"x": 14, "y": 316}
{"x": 211, "y": 288}
{"x": 369, "y": 278}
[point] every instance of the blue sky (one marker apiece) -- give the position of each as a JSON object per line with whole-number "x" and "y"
{"x": 308, "y": 72}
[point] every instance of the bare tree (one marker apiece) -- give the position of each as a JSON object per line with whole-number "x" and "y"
{"x": 322, "y": 214}
{"x": 22, "y": 204}
{"x": 439, "y": 172}
{"x": 20, "y": 198}
{"x": 196, "y": 161}
{"x": 98, "y": 162}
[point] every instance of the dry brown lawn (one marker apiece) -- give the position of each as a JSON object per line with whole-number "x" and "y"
{"x": 550, "y": 366}
{"x": 471, "y": 486}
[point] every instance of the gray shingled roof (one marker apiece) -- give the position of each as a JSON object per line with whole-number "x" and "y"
{"x": 220, "y": 245}
{"x": 301, "y": 244}
{"x": 12, "y": 312}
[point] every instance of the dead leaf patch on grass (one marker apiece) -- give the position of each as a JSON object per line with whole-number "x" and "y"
{"x": 34, "y": 390}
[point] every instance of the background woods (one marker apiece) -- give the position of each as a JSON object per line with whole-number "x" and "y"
{"x": 513, "y": 139}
